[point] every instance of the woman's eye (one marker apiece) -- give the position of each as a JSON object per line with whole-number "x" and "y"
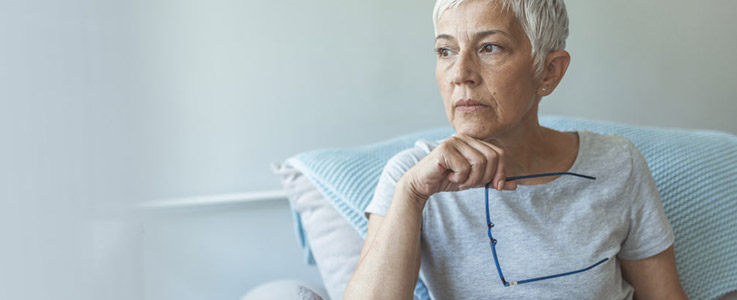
{"x": 443, "y": 52}
{"x": 490, "y": 48}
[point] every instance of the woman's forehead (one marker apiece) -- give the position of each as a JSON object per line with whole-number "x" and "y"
{"x": 472, "y": 18}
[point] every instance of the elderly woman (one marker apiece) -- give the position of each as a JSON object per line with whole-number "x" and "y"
{"x": 506, "y": 208}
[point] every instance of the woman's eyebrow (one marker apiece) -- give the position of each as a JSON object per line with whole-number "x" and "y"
{"x": 482, "y": 34}
{"x": 476, "y": 36}
{"x": 444, "y": 37}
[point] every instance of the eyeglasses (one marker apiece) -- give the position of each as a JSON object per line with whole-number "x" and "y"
{"x": 493, "y": 241}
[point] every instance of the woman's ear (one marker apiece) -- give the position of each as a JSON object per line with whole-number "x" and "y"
{"x": 556, "y": 65}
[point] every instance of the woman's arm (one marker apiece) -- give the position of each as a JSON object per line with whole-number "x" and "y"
{"x": 654, "y": 277}
{"x": 390, "y": 259}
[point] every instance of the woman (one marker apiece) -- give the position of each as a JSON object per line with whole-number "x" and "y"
{"x": 599, "y": 234}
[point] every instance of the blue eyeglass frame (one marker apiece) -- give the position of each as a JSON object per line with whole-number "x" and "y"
{"x": 493, "y": 241}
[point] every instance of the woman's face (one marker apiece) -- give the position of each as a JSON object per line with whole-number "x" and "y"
{"x": 484, "y": 69}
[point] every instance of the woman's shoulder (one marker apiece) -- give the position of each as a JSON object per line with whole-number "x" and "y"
{"x": 609, "y": 150}
{"x": 607, "y": 143}
{"x": 607, "y": 140}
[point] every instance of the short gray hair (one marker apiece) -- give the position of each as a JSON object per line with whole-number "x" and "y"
{"x": 544, "y": 21}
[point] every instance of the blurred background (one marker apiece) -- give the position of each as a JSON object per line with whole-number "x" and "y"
{"x": 110, "y": 106}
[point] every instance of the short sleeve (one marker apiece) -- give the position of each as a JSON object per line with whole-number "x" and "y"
{"x": 650, "y": 232}
{"x": 393, "y": 171}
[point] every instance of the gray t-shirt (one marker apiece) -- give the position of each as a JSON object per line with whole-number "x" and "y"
{"x": 564, "y": 225}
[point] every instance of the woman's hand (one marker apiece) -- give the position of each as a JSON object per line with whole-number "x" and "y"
{"x": 460, "y": 162}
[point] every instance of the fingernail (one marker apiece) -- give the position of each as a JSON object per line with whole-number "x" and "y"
{"x": 500, "y": 185}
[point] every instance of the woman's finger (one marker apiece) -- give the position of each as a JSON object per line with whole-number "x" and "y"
{"x": 451, "y": 159}
{"x": 493, "y": 154}
{"x": 510, "y": 185}
{"x": 476, "y": 160}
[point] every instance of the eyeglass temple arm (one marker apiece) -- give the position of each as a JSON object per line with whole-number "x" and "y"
{"x": 492, "y": 241}
{"x": 501, "y": 275}
{"x": 549, "y": 174}
{"x": 496, "y": 261}
{"x": 558, "y": 275}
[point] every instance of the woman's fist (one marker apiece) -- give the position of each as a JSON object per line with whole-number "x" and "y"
{"x": 460, "y": 162}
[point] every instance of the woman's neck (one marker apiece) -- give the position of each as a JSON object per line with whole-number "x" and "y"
{"x": 533, "y": 149}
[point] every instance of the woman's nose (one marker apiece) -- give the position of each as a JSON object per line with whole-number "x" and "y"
{"x": 465, "y": 70}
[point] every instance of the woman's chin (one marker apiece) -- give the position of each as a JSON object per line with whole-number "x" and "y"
{"x": 474, "y": 130}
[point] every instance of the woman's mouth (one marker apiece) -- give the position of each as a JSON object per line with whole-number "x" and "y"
{"x": 469, "y": 105}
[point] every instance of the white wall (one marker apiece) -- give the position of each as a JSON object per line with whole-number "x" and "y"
{"x": 657, "y": 62}
{"x": 110, "y": 103}
{"x": 219, "y": 252}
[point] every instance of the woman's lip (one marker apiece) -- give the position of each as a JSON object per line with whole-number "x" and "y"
{"x": 470, "y": 108}
{"x": 467, "y": 102}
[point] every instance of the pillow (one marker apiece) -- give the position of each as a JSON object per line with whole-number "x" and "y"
{"x": 335, "y": 245}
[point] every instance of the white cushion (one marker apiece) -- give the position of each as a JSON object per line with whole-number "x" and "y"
{"x": 335, "y": 245}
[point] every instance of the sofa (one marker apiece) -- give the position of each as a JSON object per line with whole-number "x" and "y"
{"x": 329, "y": 188}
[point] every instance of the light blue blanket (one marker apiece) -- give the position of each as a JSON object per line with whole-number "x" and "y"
{"x": 695, "y": 172}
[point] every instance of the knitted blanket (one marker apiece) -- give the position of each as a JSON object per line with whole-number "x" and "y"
{"x": 695, "y": 172}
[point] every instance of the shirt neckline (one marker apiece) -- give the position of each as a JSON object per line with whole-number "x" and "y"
{"x": 582, "y": 139}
